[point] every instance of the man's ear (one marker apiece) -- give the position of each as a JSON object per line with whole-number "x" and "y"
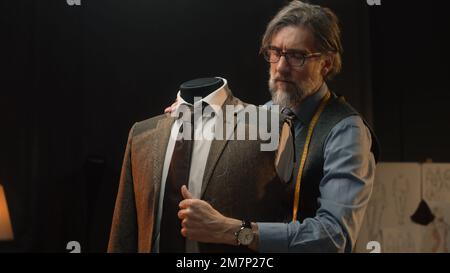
{"x": 327, "y": 64}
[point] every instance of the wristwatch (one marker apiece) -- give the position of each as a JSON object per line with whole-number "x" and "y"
{"x": 245, "y": 236}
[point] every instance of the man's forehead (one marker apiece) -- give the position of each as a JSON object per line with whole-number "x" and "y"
{"x": 293, "y": 37}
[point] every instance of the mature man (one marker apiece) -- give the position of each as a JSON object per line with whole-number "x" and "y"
{"x": 336, "y": 150}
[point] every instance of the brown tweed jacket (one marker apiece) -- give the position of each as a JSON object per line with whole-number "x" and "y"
{"x": 240, "y": 181}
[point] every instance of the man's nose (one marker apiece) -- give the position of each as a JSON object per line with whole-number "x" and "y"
{"x": 283, "y": 65}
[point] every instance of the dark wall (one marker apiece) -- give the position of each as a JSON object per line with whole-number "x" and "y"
{"x": 410, "y": 73}
{"x": 75, "y": 78}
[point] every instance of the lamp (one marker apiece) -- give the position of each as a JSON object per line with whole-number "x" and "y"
{"x": 6, "y": 233}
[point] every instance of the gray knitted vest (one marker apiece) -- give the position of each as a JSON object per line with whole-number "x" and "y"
{"x": 336, "y": 110}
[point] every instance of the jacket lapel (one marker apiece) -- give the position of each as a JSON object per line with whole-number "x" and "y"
{"x": 217, "y": 146}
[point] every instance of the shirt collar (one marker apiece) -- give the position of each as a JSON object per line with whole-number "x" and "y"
{"x": 305, "y": 110}
{"x": 215, "y": 99}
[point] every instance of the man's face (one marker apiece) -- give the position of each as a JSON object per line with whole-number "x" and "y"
{"x": 289, "y": 85}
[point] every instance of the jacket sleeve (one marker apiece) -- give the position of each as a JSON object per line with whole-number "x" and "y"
{"x": 123, "y": 236}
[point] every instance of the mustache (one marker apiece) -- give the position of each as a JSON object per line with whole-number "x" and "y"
{"x": 282, "y": 79}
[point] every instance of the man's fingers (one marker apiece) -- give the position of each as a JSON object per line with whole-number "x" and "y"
{"x": 171, "y": 108}
{"x": 184, "y": 232}
{"x": 185, "y": 223}
{"x": 185, "y": 203}
{"x": 189, "y": 233}
{"x": 185, "y": 192}
{"x": 183, "y": 213}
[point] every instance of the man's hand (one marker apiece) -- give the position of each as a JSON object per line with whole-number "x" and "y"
{"x": 202, "y": 223}
{"x": 171, "y": 108}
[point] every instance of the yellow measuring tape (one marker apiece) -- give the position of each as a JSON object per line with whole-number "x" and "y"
{"x": 311, "y": 126}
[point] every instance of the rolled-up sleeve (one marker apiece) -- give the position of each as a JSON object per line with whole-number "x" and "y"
{"x": 345, "y": 189}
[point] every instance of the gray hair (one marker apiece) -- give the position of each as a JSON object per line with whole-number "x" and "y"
{"x": 323, "y": 23}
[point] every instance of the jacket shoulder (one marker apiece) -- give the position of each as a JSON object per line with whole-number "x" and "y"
{"x": 147, "y": 124}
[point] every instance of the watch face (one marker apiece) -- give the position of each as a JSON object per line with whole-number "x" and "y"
{"x": 245, "y": 236}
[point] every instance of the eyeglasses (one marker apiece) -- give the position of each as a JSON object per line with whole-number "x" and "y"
{"x": 294, "y": 58}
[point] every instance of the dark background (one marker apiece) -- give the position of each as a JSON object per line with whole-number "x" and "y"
{"x": 75, "y": 78}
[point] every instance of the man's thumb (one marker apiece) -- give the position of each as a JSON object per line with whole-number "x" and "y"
{"x": 185, "y": 192}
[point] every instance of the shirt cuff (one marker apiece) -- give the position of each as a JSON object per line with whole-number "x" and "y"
{"x": 273, "y": 237}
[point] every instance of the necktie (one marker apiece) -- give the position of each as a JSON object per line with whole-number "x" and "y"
{"x": 171, "y": 239}
{"x": 289, "y": 113}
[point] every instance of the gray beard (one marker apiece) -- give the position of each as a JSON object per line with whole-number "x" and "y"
{"x": 286, "y": 98}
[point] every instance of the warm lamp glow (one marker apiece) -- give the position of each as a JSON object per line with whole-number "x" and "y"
{"x": 6, "y": 233}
